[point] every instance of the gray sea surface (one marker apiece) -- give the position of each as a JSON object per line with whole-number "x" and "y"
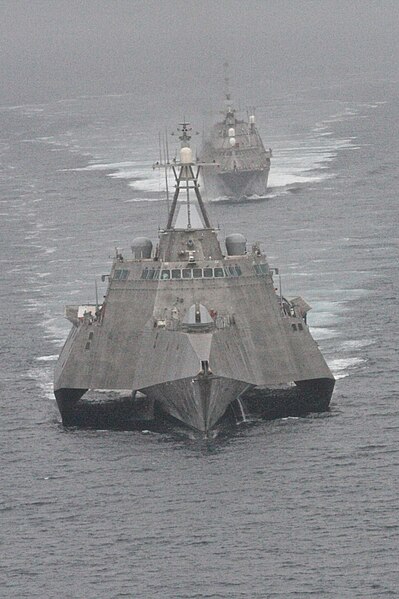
{"x": 293, "y": 508}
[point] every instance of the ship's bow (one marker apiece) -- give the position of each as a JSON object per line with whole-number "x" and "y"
{"x": 199, "y": 402}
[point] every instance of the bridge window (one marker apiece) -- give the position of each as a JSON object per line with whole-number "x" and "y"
{"x": 121, "y": 275}
{"x": 183, "y": 273}
{"x": 150, "y": 273}
{"x": 176, "y": 273}
{"x": 261, "y": 269}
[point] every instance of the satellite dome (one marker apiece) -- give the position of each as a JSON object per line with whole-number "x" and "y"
{"x": 236, "y": 244}
{"x": 141, "y": 247}
{"x": 186, "y": 156}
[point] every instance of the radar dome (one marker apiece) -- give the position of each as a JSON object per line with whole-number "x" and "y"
{"x": 232, "y": 141}
{"x": 236, "y": 244}
{"x": 232, "y": 132}
{"x": 252, "y": 119}
{"x": 141, "y": 247}
{"x": 186, "y": 156}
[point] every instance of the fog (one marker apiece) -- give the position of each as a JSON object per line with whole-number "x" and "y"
{"x": 54, "y": 49}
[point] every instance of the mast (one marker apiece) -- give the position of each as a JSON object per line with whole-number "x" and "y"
{"x": 229, "y": 111}
{"x": 186, "y": 174}
{"x": 227, "y": 91}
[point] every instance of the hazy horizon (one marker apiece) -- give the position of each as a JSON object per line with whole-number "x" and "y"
{"x": 53, "y": 49}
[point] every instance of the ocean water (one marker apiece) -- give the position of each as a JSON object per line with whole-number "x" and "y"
{"x": 294, "y": 508}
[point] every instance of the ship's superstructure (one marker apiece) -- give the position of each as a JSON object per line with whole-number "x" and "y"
{"x": 236, "y": 147}
{"x": 188, "y": 324}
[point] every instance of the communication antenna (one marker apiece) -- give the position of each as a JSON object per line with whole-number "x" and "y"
{"x": 96, "y": 288}
{"x": 186, "y": 173}
{"x": 164, "y": 161}
{"x": 227, "y": 91}
{"x": 166, "y": 155}
{"x": 185, "y": 142}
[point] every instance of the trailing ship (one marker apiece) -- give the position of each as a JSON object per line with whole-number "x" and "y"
{"x": 237, "y": 148}
{"x": 191, "y": 327}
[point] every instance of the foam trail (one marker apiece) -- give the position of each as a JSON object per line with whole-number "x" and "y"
{"x": 341, "y": 367}
{"x": 44, "y": 378}
{"x": 307, "y": 160}
{"x": 320, "y": 333}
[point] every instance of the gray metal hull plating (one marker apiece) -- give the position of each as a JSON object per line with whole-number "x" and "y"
{"x": 235, "y": 184}
{"x": 199, "y": 402}
{"x": 141, "y": 343}
{"x": 188, "y": 326}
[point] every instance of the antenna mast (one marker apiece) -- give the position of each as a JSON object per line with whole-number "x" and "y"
{"x": 227, "y": 91}
{"x": 166, "y": 155}
{"x": 186, "y": 173}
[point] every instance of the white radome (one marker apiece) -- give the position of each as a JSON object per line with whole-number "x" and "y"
{"x": 186, "y": 156}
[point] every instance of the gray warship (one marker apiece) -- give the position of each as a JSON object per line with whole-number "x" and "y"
{"x": 236, "y": 146}
{"x": 190, "y": 327}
